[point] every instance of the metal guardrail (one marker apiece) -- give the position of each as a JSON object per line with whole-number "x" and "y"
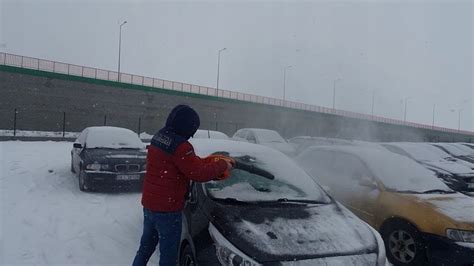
{"x": 101, "y": 74}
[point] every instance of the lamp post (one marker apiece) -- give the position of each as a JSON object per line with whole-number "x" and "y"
{"x": 459, "y": 119}
{"x": 334, "y": 93}
{"x": 373, "y": 102}
{"x": 120, "y": 47}
{"x": 432, "y": 124}
{"x": 284, "y": 81}
{"x": 218, "y": 69}
{"x": 405, "y": 115}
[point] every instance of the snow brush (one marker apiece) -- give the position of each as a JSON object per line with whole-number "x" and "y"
{"x": 242, "y": 163}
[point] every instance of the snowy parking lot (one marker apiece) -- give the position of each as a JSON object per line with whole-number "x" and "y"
{"x": 46, "y": 220}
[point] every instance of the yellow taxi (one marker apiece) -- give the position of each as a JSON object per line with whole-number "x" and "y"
{"x": 420, "y": 219}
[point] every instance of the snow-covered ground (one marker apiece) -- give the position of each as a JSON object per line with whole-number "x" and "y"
{"x": 46, "y": 220}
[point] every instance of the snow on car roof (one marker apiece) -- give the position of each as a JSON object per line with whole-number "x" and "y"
{"x": 396, "y": 172}
{"x": 452, "y": 149}
{"x": 112, "y": 137}
{"x": 209, "y": 134}
{"x": 267, "y": 135}
{"x": 418, "y": 152}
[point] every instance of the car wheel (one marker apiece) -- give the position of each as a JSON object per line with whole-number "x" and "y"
{"x": 404, "y": 244}
{"x": 186, "y": 257}
{"x": 83, "y": 182}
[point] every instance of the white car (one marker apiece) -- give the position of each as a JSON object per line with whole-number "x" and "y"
{"x": 266, "y": 137}
{"x": 209, "y": 134}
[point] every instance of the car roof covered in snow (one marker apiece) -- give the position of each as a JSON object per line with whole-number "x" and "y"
{"x": 395, "y": 171}
{"x": 209, "y": 134}
{"x": 112, "y": 137}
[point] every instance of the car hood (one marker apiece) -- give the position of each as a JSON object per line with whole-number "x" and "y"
{"x": 112, "y": 155}
{"x": 457, "y": 207}
{"x": 451, "y": 167}
{"x": 293, "y": 232}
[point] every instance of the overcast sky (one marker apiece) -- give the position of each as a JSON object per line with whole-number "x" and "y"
{"x": 417, "y": 49}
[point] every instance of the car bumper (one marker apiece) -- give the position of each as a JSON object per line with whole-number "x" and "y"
{"x": 443, "y": 251}
{"x": 98, "y": 178}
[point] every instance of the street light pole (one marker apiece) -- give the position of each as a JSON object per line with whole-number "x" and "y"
{"x": 432, "y": 124}
{"x": 218, "y": 69}
{"x": 334, "y": 94}
{"x": 373, "y": 102}
{"x": 120, "y": 47}
{"x": 405, "y": 116}
{"x": 459, "y": 119}
{"x": 284, "y": 81}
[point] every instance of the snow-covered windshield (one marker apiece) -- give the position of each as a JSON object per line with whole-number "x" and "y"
{"x": 113, "y": 138}
{"x": 266, "y": 136}
{"x": 454, "y": 150}
{"x": 419, "y": 152}
{"x": 400, "y": 173}
{"x": 291, "y": 182}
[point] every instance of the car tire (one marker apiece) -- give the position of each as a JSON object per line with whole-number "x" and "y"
{"x": 83, "y": 186}
{"x": 186, "y": 257}
{"x": 404, "y": 244}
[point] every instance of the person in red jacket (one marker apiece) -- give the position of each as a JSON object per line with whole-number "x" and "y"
{"x": 171, "y": 165}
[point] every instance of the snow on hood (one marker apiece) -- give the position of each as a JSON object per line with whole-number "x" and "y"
{"x": 456, "y": 206}
{"x": 452, "y": 149}
{"x": 281, "y": 146}
{"x": 112, "y": 137}
{"x": 327, "y": 230}
{"x": 452, "y": 167}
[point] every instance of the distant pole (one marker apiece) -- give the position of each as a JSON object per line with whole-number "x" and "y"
{"x": 64, "y": 124}
{"x": 120, "y": 47}
{"x": 14, "y": 122}
{"x": 432, "y": 124}
{"x": 284, "y": 81}
{"x": 139, "y": 125}
{"x": 105, "y": 120}
{"x": 405, "y": 115}
{"x": 334, "y": 94}
{"x": 218, "y": 69}
{"x": 373, "y": 102}
{"x": 459, "y": 119}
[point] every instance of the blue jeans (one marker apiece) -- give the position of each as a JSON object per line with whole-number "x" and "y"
{"x": 164, "y": 227}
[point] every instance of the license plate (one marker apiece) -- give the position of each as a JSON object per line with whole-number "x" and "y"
{"x": 128, "y": 177}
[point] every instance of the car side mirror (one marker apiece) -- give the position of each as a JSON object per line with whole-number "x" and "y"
{"x": 367, "y": 182}
{"x": 77, "y": 145}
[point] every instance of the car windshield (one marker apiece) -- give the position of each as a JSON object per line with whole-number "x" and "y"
{"x": 209, "y": 134}
{"x": 421, "y": 153}
{"x": 290, "y": 181}
{"x": 455, "y": 151}
{"x": 113, "y": 138}
{"x": 266, "y": 136}
{"x": 400, "y": 173}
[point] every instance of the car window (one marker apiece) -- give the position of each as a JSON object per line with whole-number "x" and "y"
{"x": 241, "y": 134}
{"x": 114, "y": 138}
{"x": 82, "y": 137}
{"x": 251, "y": 137}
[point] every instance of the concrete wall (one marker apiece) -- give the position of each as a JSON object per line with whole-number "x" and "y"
{"x": 42, "y": 99}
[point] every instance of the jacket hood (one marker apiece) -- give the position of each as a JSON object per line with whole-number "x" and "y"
{"x": 183, "y": 120}
{"x": 279, "y": 233}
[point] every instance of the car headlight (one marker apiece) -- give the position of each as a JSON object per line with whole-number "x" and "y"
{"x": 381, "y": 256}
{"x": 460, "y": 235}
{"x": 227, "y": 254}
{"x": 97, "y": 166}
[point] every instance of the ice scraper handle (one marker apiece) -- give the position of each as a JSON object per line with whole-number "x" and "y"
{"x": 239, "y": 163}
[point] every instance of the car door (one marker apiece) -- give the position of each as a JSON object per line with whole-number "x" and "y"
{"x": 360, "y": 190}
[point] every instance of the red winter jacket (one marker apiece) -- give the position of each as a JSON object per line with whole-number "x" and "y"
{"x": 167, "y": 176}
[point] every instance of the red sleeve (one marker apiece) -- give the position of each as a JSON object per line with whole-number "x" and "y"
{"x": 194, "y": 167}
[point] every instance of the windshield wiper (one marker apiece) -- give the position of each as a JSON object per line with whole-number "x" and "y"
{"x": 441, "y": 191}
{"x": 300, "y": 201}
{"x": 232, "y": 201}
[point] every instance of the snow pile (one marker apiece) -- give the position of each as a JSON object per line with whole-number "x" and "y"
{"x": 46, "y": 220}
{"x": 113, "y": 137}
{"x": 35, "y": 133}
